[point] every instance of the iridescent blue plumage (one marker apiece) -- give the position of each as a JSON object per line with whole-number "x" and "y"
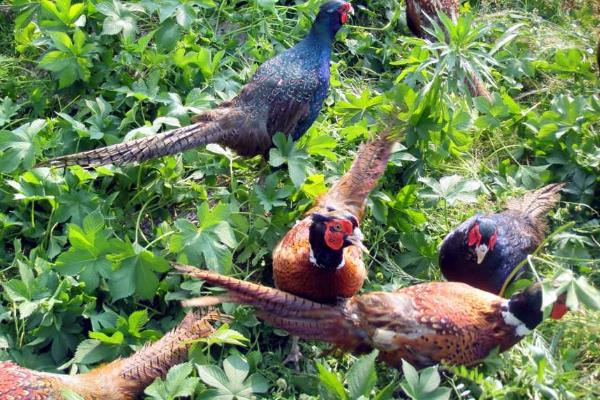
{"x": 285, "y": 95}
{"x": 485, "y": 249}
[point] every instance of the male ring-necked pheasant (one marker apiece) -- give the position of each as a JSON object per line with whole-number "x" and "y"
{"x": 122, "y": 379}
{"x": 485, "y": 249}
{"x": 424, "y": 324}
{"x": 320, "y": 258}
{"x": 285, "y": 95}
{"x": 418, "y": 15}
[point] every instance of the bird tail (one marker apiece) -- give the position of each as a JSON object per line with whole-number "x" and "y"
{"x": 477, "y": 88}
{"x": 537, "y": 203}
{"x": 129, "y": 376}
{"x": 154, "y": 360}
{"x": 298, "y": 316}
{"x": 212, "y": 128}
{"x": 354, "y": 186}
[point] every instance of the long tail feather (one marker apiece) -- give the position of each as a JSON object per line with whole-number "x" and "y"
{"x": 155, "y": 359}
{"x": 477, "y": 88}
{"x": 171, "y": 142}
{"x": 352, "y": 189}
{"x": 242, "y": 292}
{"x": 298, "y": 316}
{"x": 537, "y": 203}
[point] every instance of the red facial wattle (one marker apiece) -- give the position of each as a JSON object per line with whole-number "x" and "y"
{"x": 344, "y": 10}
{"x": 474, "y": 237}
{"x": 336, "y": 231}
{"x": 558, "y": 311}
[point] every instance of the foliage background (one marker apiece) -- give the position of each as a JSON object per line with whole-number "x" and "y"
{"x": 84, "y": 255}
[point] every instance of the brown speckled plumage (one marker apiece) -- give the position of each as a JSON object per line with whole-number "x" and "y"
{"x": 424, "y": 324}
{"x": 293, "y": 271}
{"x": 122, "y": 379}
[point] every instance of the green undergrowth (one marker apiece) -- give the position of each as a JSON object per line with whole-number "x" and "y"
{"x": 85, "y": 254}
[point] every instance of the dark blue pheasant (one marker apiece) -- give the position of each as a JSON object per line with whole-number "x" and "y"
{"x": 484, "y": 250}
{"x": 285, "y": 95}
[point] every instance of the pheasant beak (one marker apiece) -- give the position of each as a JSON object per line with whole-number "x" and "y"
{"x": 356, "y": 240}
{"x": 481, "y": 251}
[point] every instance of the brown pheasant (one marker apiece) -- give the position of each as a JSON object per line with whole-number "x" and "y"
{"x": 436, "y": 322}
{"x": 418, "y": 15}
{"x": 320, "y": 257}
{"x": 122, "y": 379}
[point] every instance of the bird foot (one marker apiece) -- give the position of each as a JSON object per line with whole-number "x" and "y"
{"x": 294, "y": 355}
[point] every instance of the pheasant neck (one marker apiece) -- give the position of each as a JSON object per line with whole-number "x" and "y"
{"x": 321, "y": 255}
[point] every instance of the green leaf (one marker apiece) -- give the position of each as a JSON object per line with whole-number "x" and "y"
{"x": 423, "y": 386}
{"x": 452, "y": 189}
{"x": 331, "y": 382}
{"x": 210, "y": 242}
{"x": 177, "y": 383}
{"x": 224, "y": 335}
{"x": 20, "y": 146}
{"x": 270, "y": 194}
{"x": 362, "y": 376}
{"x": 236, "y": 370}
{"x": 231, "y": 382}
{"x": 167, "y": 35}
{"x": 119, "y": 18}
{"x": 7, "y": 110}
{"x": 285, "y": 151}
{"x": 136, "y": 270}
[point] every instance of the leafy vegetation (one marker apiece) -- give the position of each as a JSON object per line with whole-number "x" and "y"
{"x": 84, "y": 254}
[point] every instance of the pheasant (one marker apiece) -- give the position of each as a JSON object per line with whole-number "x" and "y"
{"x": 418, "y": 15}
{"x": 435, "y": 322}
{"x": 484, "y": 250}
{"x": 121, "y": 379}
{"x": 285, "y": 95}
{"x": 320, "y": 257}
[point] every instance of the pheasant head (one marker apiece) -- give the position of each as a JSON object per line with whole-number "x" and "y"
{"x": 482, "y": 237}
{"x": 524, "y": 309}
{"x": 329, "y": 235}
{"x": 331, "y": 17}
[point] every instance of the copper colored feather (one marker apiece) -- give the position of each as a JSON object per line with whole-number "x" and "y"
{"x": 418, "y": 15}
{"x": 424, "y": 324}
{"x": 122, "y": 379}
{"x": 350, "y": 192}
{"x": 293, "y": 270}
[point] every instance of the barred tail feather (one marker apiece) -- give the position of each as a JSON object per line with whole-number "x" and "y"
{"x": 477, "y": 88}
{"x": 242, "y": 292}
{"x": 155, "y": 359}
{"x": 537, "y": 203}
{"x": 352, "y": 189}
{"x": 168, "y": 143}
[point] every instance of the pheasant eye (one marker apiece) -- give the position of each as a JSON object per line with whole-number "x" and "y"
{"x": 337, "y": 227}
